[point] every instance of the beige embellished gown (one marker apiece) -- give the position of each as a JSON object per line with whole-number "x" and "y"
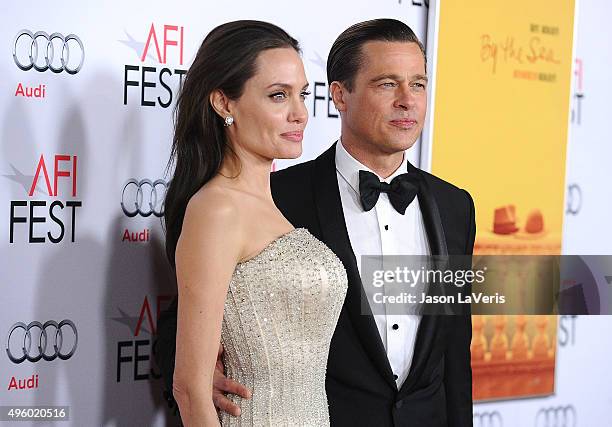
{"x": 280, "y": 314}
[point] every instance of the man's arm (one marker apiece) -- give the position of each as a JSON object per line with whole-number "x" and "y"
{"x": 165, "y": 349}
{"x": 457, "y": 357}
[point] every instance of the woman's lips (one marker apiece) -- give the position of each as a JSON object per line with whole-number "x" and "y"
{"x": 404, "y": 123}
{"x": 293, "y": 136}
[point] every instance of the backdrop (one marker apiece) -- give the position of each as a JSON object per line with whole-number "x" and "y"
{"x": 85, "y": 122}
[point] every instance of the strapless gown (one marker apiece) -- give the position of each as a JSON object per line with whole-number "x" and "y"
{"x": 280, "y": 314}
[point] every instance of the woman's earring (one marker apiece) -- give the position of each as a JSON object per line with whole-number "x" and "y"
{"x": 229, "y": 120}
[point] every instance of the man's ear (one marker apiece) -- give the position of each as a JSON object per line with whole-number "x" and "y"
{"x": 338, "y": 93}
{"x": 220, "y": 103}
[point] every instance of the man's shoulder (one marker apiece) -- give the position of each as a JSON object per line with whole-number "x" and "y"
{"x": 292, "y": 191}
{"x": 457, "y": 212}
{"x": 300, "y": 170}
{"x": 292, "y": 181}
{"x": 304, "y": 171}
{"x": 440, "y": 187}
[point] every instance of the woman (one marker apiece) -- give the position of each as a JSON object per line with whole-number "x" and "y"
{"x": 270, "y": 293}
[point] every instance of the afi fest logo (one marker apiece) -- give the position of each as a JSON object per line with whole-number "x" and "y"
{"x": 148, "y": 85}
{"x": 43, "y": 52}
{"x": 322, "y": 104}
{"x": 134, "y": 355}
{"x": 567, "y": 330}
{"x": 38, "y": 221}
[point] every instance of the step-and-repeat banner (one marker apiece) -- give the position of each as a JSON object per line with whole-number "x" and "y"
{"x": 86, "y": 125}
{"x": 86, "y": 105}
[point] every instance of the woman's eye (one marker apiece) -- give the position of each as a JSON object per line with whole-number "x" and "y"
{"x": 278, "y": 96}
{"x": 305, "y": 94}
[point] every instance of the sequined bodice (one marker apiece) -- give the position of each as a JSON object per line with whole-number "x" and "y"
{"x": 280, "y": 314}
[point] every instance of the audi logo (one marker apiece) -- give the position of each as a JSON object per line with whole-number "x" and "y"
{"x": 53, "y": 53}
{"x": 31, "y": 341}
{"x": 558, "y": 416}
{"x": 144, "y": 197}
{"x": 487, "y": 419}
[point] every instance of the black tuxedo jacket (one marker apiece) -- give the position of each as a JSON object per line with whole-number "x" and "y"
{"x": 360, "y": 387}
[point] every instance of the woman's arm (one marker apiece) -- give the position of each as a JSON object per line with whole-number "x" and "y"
{"x": 207, "y": 253}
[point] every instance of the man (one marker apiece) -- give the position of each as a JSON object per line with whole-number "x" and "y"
{"x": 383, "y": 370}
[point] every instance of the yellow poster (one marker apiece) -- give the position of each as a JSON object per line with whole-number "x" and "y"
{"x": 500, "y": 130}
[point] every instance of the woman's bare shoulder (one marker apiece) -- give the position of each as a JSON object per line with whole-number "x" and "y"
{"x": 215, "y": 202}
{"x": 214, "y": 215}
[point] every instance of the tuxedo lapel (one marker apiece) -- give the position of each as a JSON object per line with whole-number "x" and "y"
{"x": 335, "y": 235}
{"x": 431, "y": 216}
{"x": 429, "y": 327}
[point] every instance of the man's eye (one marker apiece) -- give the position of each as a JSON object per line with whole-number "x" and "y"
{"x": 388, "y": 84}
{"x": 419, "y": 85}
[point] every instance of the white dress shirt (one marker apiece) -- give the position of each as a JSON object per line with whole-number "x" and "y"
{"x": 383, "y": 231}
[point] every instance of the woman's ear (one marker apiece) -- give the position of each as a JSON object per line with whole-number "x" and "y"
{"x": 220, "y": 103}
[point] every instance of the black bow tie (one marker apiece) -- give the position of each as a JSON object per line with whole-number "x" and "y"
{"x": 401, "y": 190}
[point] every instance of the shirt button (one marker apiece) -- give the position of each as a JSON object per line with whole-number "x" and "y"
{"x": 399, "y": 404}
{"x": 386, "y": 227}
{"x": 395, "y": 326}
{"x": 395, "y": 377}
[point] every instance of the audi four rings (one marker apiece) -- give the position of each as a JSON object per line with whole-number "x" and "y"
{"x": 487, "y": 419}
{"x": 48, "y": 50}
{"x": 557, "y": 416}
{"x": 38, "y": 351}
{"x": 144, "y": 199}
